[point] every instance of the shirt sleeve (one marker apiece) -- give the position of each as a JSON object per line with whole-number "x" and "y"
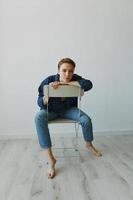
{"x": 84, "y": 83}
{"x": 41, "y": 94}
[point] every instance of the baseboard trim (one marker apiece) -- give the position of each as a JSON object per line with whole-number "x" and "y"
{"x": 65, "y": 134}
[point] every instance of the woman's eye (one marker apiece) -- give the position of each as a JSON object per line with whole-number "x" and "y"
{"x": 70, "y": 72}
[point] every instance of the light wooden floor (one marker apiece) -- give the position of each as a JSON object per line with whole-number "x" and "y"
{"x": 79, "y": 177}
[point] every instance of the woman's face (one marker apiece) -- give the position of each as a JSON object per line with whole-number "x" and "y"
{"x": 66, "y": 72}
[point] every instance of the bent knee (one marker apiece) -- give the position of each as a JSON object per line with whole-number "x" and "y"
{"x": 41, "y": 115}
{"x": 85, "y": 119}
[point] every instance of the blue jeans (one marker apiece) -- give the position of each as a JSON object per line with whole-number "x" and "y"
{"x": 41, "y": 122}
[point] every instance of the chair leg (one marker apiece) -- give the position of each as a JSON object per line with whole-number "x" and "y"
{"x": 76, "y": 136}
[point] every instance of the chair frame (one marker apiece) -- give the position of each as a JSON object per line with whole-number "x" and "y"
{"x": 65, "y": 91}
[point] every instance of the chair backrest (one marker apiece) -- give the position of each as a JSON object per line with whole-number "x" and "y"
{"x": 63, "y": 91}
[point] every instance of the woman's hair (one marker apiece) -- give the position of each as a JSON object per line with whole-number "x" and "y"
{"x": 66, "y": 60}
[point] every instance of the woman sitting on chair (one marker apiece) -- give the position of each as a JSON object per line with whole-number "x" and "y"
{"x": 66, "y": 108}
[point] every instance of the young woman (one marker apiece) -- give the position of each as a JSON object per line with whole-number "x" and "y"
{"x": 60, "y": 107}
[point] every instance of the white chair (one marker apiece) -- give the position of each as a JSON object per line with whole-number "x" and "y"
{"x": 66, "y": 91}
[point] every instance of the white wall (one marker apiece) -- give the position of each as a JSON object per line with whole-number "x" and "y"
{"x": 35, "y": 34}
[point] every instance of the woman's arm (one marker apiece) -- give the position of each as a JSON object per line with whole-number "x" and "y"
{"x": 42, "y": 100}
{"x": 75, "y": 83}
{"x": 84, "y": 83}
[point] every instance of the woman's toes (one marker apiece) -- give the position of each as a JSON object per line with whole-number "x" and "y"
{"x": 51, "y": 169}
{"x": 51, "y": 173}
{"x": 94, "y": 150}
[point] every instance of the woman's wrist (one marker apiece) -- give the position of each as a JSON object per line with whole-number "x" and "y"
{"x": 45, "y": 100}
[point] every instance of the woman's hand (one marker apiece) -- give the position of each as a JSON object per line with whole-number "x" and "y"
{"x": 55, "y": 84}
{"x": 45, "y": 100}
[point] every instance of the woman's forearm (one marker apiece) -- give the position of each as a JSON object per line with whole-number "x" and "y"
{"x": 75, "y": 83}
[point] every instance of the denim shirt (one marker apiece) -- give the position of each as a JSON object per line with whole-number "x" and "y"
{"x": 55, "y": 103}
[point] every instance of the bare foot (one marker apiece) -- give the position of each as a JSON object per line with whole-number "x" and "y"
{"x": 51, "y": 168}
{"x": 93, "y": 149}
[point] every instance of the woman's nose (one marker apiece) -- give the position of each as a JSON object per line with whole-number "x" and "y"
{"x": 67, "y": 73}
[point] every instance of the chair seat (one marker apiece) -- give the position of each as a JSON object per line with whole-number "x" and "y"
{"x": 62, "y": 120}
